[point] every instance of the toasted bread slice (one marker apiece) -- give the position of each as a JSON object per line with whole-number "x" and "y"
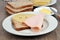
{"x": 18, "y": 19}
{"x": 18, "y": 10}
{"x": 21, "y": 4}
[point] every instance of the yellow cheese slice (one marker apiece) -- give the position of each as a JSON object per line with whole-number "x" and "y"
{"x": 40, "y": 2}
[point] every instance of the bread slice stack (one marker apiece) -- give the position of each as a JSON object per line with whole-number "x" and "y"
{"x": 21, "y": 6}
{"x": 18, "y": 21}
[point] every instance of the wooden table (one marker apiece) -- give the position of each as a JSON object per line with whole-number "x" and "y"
{"x": 54, "y": 35}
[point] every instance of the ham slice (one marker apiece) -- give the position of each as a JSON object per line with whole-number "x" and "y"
{"x": 35, "y": 22}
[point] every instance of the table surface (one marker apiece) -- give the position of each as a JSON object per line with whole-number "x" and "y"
{"x": 54, "y": 35}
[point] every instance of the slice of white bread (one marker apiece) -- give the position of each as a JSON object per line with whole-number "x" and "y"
{"x": 17, "y": 21}
{"x": 18, "y": 10}
{"x": 20, "y": 4}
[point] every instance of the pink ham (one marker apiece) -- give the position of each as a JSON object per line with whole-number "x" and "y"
{"x": 35, "y": 22}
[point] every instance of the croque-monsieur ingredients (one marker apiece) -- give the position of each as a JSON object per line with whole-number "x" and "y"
{"x": 18, "y": 19}
{"x": 35, "y": 22}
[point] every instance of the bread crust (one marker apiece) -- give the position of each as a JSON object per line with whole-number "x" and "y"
{"x": 8, "y": 11}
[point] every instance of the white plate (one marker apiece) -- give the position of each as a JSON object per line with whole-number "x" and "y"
{"x": 37, "y": 10}
{"x": 49, "y": 25}
{"x": 51, "y": 3}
